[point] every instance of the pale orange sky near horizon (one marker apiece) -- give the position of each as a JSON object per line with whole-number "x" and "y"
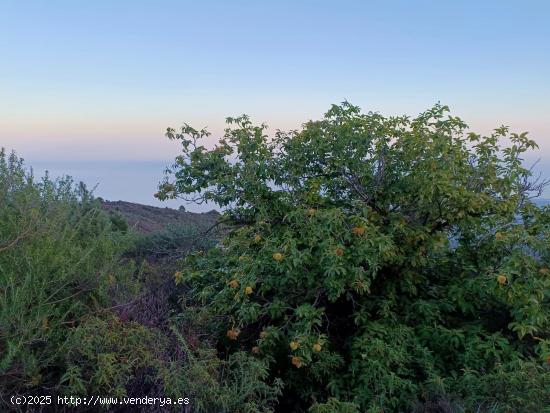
{"x": 141, "y": 139}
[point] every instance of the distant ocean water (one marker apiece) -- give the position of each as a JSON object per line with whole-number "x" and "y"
{"x": 132, "y": 181}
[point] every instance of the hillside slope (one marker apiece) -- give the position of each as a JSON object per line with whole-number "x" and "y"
{"x": 147, "y": 219}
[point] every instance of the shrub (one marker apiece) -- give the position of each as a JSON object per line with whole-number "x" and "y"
{"x": 58, "y": 259}
{"x": 63, "y": 264}
{"x": 105, "y": 355}
{"x": 375, "y": 263}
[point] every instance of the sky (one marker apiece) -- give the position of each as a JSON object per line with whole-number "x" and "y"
{"x": 89, "y": 88}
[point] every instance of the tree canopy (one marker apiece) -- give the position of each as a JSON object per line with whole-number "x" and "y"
{"x": 375, "y": 263}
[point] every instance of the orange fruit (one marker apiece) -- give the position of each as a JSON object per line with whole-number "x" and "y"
{"x": 178, "y": 277}
{"x": 233, "y": 333}
{"x": 294, "y": 345}
{"x": 339, "y": 251}
{"x": 248, "y": 290}
{"x": 233, "y": 283}
{"x": 278, "y": 256}
{"x": 255, "y": 349}
{"x": 502, "y": 279}
{"x": 358, "y": 230}
{"x": 317, "y": 347}
{"x": 297, "y": 361}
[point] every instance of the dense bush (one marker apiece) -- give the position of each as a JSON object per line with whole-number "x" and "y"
{"x": 79, "y": 317}
{"x": 58, "y": 257}
{"x": 375, "y": 263}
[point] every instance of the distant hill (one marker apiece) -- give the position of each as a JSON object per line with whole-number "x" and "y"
{"x": 147, "y": 219}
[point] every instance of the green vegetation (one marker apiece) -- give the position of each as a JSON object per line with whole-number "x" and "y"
{"x": 85, "y": 307}
{"x": 58, "y": 257}
{"x": 362, "y": 264}
{"x": 374, "y": 264}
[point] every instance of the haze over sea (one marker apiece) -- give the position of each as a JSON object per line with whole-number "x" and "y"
{"x": 132, "y": 181}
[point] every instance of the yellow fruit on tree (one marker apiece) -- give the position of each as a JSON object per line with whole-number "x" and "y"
{"x": 233, "y": 283}
{"x": 257, "y": 238}
{"x": 339, "y": 251}
{"x": 263, "y": 334}
{"x": 248, "y": 290}
{"x": 358, "y": 230}
{"x": 544, "y": 271}
{"x": 297, "y": 361}
{"x": 233, "y": 333}
{"x": 278, "y": 256}
{"x": 255, "y": 349}
{"x": 502, "y": 279}
{"x": 317, "y": 347}
{"x": 311, "y": 212}
{"x": 294, "y": 345}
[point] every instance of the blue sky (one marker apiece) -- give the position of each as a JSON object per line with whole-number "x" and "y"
{"x": 100, "y": 81}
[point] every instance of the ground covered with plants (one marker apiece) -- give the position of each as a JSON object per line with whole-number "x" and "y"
{"x": 361, "y": 264}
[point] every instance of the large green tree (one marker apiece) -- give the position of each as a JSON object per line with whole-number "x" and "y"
{"x": 375, "y": 262}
